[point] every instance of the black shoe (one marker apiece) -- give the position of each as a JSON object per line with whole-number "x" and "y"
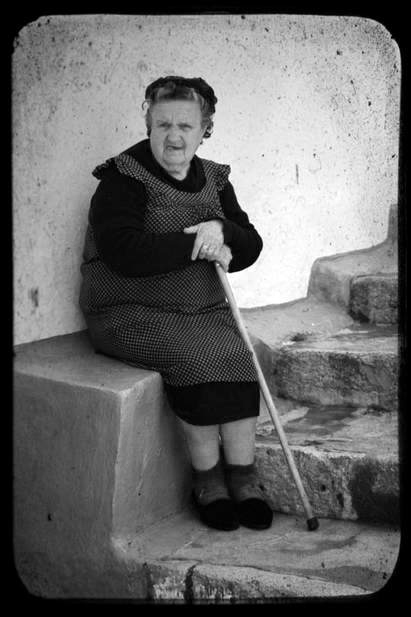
{"x": 255, "y": 513}
{"x": 219, "y": 514}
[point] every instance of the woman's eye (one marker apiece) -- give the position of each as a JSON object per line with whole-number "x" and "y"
{"x": 165, "y": 126}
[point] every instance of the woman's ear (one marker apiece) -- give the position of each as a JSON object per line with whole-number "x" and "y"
{"x": 204, "y": 132}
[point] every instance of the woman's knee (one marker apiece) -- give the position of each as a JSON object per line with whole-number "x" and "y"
{"x": 200, "y": 434}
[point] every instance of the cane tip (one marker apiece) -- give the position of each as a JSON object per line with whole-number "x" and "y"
{"x": 312, "y": 523}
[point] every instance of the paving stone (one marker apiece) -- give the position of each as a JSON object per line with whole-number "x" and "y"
{"x": 341, "y": 558}
{"x": 167, "y": 581}
{"x": 235, "y": 585}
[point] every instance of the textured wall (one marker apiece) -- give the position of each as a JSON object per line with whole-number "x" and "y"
{"x": 307, "y": 117}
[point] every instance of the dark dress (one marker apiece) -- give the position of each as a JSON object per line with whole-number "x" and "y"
{"x": 146, "y": 303}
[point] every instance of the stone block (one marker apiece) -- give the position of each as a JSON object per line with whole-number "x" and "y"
{"x": 97, "y": 454}
{"x": 342, "y": 485}
{"x": 348, "y": 460}
{"x": 331, "y": 276}
{"x": 354, "y": 368}
{"x": 241, "y": 585}
{"x": 374, "y": 298}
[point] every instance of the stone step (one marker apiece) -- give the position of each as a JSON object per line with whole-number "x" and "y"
{"x": 374, "y": 298}
{"x": 331, "y": 277}
{"x": 271, "y": 326}
{"x": 347, "y": 459}
{"x": 357, "y": 366}
{"x": 182, "y": 560}
{"x": 277, "y": 323}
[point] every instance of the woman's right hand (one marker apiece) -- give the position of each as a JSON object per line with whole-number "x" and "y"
{"x": 224, "y": 257}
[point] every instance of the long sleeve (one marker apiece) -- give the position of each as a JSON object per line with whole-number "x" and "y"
{"x": 116, "y": 218}
{"x": 239, "y": 234}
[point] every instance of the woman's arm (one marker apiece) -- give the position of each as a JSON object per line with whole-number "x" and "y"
{"x": 116, "y": 218}
{"x": 239, "y": 234}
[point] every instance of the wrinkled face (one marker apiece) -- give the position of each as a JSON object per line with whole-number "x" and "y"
{"x": 176, "y": 133}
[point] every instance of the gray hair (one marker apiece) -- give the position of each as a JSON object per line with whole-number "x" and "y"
{"x": 172, "y": 91}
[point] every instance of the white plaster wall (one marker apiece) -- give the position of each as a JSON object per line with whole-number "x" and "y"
{"x": 308, "y": 118}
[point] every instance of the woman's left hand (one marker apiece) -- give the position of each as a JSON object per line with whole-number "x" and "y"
{"x": 209, "y": 240}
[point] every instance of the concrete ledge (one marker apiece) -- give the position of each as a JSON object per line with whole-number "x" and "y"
{"x": 97, "y": 454}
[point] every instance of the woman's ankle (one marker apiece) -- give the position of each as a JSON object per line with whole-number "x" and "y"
{"x": 243, "y": 482}
{"x": 209, "y": 484}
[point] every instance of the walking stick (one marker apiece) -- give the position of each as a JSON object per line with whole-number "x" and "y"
{"x": 312, "y": 521}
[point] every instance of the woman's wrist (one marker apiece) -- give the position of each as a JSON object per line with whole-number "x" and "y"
{"x": 227, "y": 230}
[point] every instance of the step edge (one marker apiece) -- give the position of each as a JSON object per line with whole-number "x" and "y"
{"x": 189, "y": 569}
{"x": 142, "y": 382}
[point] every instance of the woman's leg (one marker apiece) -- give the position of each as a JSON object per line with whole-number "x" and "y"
{"x": 239, "y": 450}
{"x": 203, "y": 444}
{"x": 239, "y": 441}
{"x": 210, "y": 492}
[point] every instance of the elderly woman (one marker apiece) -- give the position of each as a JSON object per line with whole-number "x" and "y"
{"x": 151, "y": 297}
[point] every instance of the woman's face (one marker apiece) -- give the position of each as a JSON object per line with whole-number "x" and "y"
{"x": 176, "y": 133}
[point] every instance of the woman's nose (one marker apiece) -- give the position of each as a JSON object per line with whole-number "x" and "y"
{"x": 173, "y": 134}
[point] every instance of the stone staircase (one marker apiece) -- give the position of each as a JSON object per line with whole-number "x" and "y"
{"x": 333, "y": 370}
{"x": 338, "y": 401}
{"x": 101, "y": 480}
